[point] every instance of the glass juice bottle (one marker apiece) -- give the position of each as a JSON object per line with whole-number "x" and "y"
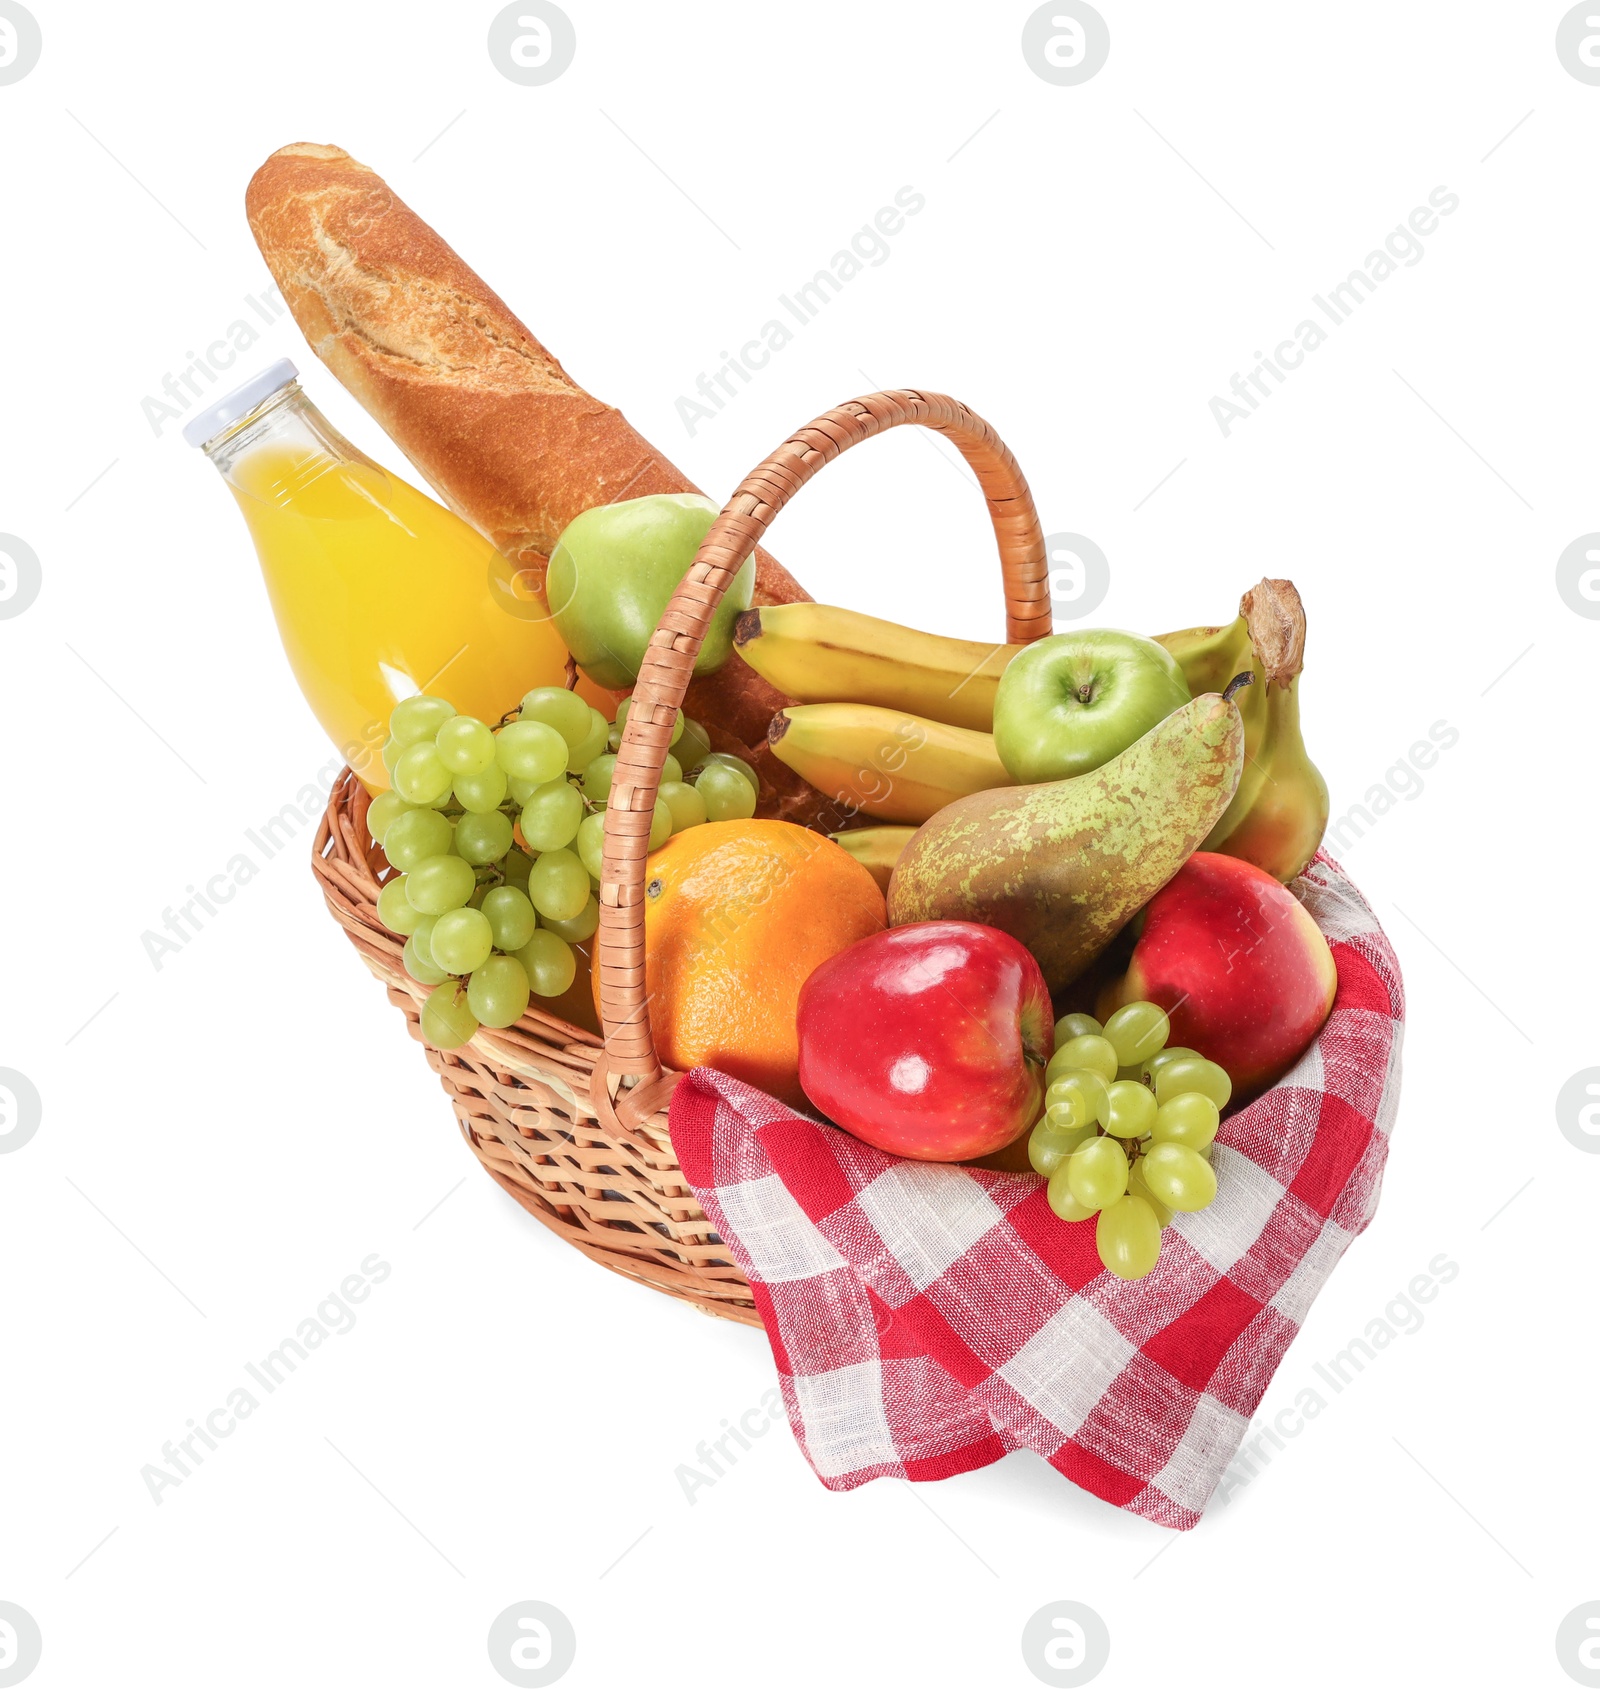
{"x": 378, "y": 590}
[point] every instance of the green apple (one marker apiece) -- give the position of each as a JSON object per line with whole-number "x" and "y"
{"x": 1073, "y": 701}
{"x": 613, "y": 571}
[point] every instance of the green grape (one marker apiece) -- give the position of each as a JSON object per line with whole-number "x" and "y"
{"x": 592, "y": 843}
{"x": 482, "y": 839}
{"x": 1194, "y": 1073}
{"x": 671, "y": 771}
{"x": 391, "y": 754}
{"x": 419, "y": 776}
{"x": 580, "y": 927}
{"x": 729, "y": 760}
{"x": 1174, "y": 1052}
{"x": 447, "y": 1019}
{"x": 1088, "y": 1050}
{"x": 498, "y": 991}
{"x": 481, "y": 794}
{"x": 688, "y": 808}
{"x": 1179, "y": 1177}
{"x": 465, "y": 745}
{"x": 621, "y": 718}
{"x": 1075, "y": 1026}
{"x": 1189, "y": 1118}
{"x": 1063, "y": 1118}
{"x": 566, "y": 712}
{"x": 461, "y": 940}
{"x": 510, "y": 916}
{"x": 1085, "y": 1093}
{"x": 516, "y": 867}
{"x": 691, "y": 743}
{"x": 614, "y": 740}
{"x": 382, "y": 812}
{"x": 726, "y": 760}
{"x": 597, "y": 778}
{"x": 1097, "y": 1172}
{"x": 727, "y": 795}
{"x": 519, "y": 791}
{"x": 1058, "y": 1193}
{"x": 1136, "y": 1031}
{"x": 533, "y": 749}
{"x": 1128, "y": 1237}
{"x": 440, "y": 883}
{"x": 549, "y": 963}
{"x": 558, "y": 888}
{"x": 416, "y": 721}
{"x": 1049, "y": 1145}
{"x": 1133, "y": 1109}
{"x": 394, "y": 908}
{"x": 419, "y": 965}
{"x": 660, "y": 825}
{"x": 588, "y": 748}
{"x": 551, "y": 816}
{"x": 1137, "y": 1187}
{"x": 417, "y": 834}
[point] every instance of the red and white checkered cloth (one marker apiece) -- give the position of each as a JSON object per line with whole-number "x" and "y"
{"x": 928, "y": 1319}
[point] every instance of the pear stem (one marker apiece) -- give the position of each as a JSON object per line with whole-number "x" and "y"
{"x": 1238, "y": 684}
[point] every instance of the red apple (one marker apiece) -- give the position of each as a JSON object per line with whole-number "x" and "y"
{"x": 1237, "y": 963}
{"x": 929, "y": 1040}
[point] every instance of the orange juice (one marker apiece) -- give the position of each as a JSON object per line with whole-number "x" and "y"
{"x": 379, "y": 592}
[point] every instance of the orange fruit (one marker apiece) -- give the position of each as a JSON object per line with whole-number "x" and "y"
{"x": 737, "y": 914}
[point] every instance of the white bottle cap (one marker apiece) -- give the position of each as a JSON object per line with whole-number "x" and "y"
{"x": 239, "y": 403}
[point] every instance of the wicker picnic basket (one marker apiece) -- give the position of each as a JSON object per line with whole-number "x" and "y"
{"x": 575, "y": 1128}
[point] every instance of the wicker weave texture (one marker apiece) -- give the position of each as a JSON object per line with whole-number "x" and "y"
{"x": 521, "y": 1098}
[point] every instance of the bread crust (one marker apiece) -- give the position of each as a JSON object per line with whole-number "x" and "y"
{"x": 486, "y": 414}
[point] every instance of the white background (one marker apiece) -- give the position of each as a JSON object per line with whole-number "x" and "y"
{"x": 235, "y": 1132}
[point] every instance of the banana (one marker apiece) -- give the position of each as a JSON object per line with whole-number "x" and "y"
{"x": 888, "y": 764}
{"x": 1211, "y": 657}
{"x": 816, "y": 654}
{"x": 1278, "y": 814}
{"x": 877, "y": 849}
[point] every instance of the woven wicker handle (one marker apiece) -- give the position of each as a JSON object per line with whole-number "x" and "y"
{"x": 669, "y": 666}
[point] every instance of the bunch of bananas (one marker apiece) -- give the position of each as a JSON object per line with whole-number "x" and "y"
{"x": 894, "y": 724}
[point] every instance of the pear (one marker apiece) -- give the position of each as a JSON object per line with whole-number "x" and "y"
{"x": 1063, "y": 866}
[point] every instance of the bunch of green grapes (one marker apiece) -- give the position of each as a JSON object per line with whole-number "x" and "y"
{"x": 497, "y": 839}
{"x": 1127, "y": 1131}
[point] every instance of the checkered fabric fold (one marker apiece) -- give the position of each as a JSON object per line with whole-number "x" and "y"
{"x": 927, "y": 1319}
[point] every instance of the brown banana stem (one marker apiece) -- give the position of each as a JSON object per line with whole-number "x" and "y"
{"x": 1277, "y": 622}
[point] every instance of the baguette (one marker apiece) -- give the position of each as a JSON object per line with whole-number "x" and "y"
{"x": 486, "y": 414}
